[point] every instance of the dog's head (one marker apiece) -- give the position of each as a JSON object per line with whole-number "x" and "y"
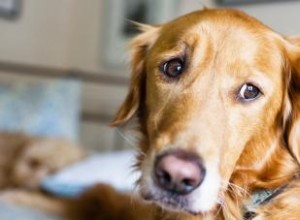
{"x": 41, "y": 157}
{"x": 214, "y": 91}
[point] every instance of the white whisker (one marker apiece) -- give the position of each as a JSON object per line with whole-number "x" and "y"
{"x": 126, "y": 138}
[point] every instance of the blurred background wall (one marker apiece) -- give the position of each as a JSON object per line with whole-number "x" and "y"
{"x": 68, "y": 33}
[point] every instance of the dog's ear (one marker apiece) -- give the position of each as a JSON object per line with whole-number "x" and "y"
{"x": 139, "y": 47}
{"x": 293, "y": 103}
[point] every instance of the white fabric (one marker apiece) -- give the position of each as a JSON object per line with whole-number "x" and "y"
{"x": 110, "y": 168}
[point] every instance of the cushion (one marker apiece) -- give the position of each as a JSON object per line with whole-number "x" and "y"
{"x": 110, "y": 168}
{"x": 49, "y": 108}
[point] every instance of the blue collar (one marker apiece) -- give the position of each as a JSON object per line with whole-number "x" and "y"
{"x": 258, "y": 198}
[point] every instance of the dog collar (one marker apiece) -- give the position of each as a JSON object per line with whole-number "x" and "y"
{"x": 258, "y": 198}
{"x": 261, "y": 196}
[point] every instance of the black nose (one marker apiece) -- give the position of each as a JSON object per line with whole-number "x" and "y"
{"x": 179, "y": 172}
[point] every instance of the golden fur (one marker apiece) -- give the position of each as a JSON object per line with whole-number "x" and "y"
{"x": 245, "y": 146}
{"x": 42, "y": 157}
{"x": 25, "y": 161}
{"x": 248, "y": 146}
{"x": 102, "y": 202}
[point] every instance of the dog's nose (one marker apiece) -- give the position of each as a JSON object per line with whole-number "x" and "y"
{"x": 179, "y": 172}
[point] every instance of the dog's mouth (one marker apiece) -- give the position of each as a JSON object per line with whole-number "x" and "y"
{"x": 172, "y": 202}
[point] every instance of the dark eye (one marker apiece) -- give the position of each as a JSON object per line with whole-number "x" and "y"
{"x": 33, "y": 163}
{"x": 249, "y": 92}
{"x": 173, "y": 68}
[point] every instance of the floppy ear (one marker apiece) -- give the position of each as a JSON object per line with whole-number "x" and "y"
{"x": 293, "y": 122}
{"x": 139, "y": 47}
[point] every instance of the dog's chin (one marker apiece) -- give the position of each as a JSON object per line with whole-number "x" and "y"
{"x": 173, "y": 203}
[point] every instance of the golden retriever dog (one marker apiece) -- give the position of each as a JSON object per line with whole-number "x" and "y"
{"x": 25, "y": 161}
{"x": 42, "y": 157}
{"x": 217, "y": 97}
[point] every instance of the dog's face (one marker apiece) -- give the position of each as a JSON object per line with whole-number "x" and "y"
{"x": 210, "y": 92}
{"x": 40, "y": 158}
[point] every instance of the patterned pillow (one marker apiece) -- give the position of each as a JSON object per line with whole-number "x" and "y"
{"x": 49, "y": 108}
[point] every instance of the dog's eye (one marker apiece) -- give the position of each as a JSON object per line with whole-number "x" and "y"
{"x": 173, "y": 68}
{"x": 249, "y": 92}
{"x": 33, "y": 163}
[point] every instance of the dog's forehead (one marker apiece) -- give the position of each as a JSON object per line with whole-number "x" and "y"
{"x": 225, "y": 18}
{"x": 217, "y": 24}
{"x": 230, "y": 35}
